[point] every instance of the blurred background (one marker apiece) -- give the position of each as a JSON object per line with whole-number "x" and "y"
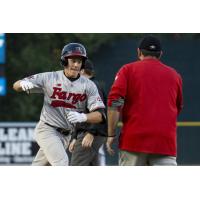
{"x": 23, "y": 55}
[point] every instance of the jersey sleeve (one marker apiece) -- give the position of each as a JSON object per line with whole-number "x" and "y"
{"x": 94, "y": 100}
{"x": 101, "y": 91}
{"x": 38, "y": 81}
{"x": 118, "y": 90}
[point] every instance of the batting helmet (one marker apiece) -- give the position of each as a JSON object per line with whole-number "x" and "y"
{"x": 73, "y": 49}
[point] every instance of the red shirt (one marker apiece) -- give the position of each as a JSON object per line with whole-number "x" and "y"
{"x": 152, "y": 95}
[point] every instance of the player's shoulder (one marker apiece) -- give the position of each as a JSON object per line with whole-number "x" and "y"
{"x": 49, "y": 73}
{"x": 53, "y": 73}
{"x": 85, "y": 80}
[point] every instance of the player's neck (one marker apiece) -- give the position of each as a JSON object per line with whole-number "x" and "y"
{"x": 70, "y": 77}
{"x": 148, "y": 58}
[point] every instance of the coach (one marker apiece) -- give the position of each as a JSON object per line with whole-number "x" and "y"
{"x": 148, "y": 94}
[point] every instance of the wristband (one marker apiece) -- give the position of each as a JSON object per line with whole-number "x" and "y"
{"x": 111, "y": 135}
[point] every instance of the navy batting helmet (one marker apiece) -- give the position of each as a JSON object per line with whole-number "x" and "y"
{"x": 73, "y": 49}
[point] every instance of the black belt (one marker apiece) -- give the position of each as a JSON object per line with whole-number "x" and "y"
{"x": 60, "y": 130}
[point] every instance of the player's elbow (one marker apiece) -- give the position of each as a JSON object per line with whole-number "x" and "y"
{"x": 95, "y": 117}
{"x": 101, "y": 117}
{"x": 98, "y": 117}
{"x": 16, "y": 86}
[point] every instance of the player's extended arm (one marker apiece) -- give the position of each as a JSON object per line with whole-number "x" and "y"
{"x": 22, "y": 85}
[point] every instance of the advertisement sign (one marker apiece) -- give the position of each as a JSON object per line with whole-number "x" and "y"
{"x": 17, "y": 146}
{"x": 2, "y": 48}
{"x": 2, "y": 86}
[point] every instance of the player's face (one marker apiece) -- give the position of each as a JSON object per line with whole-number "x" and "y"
{"x": 74, "y": 66}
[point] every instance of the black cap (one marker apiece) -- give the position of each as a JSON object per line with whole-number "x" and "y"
{"x": 89, "y": 65}
{"x": 150, "y": 43}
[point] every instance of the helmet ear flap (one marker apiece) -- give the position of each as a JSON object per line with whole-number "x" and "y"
{"x": 83, "y": 63}
{"x": 63, "y": 62}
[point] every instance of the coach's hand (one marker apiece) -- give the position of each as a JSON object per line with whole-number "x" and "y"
{"x": 26, "y": 85}
{"x": 88, "y": 140}
{"x": 75, "y": 117}
{"x": 109, "y": 143}
{"x": 71, "y": 145}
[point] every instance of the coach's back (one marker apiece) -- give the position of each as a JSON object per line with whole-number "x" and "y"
{"x": 152, "y": 102}
{"x": 148, "y": 94}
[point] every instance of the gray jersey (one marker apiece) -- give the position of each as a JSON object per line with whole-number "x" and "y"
{"x": 62, "y": 95}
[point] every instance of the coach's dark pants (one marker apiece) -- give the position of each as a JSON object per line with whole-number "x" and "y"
{"x": 82, "y": 156}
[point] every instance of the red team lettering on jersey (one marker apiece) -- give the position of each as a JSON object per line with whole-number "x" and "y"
{"x": 73, "y": 98}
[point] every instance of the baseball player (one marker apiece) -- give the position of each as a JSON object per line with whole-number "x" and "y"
{"x": 67, "y": 96}
{"x": 94, "y": 134}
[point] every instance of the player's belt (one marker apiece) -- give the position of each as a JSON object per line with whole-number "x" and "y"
{"x": 60, "y": 130}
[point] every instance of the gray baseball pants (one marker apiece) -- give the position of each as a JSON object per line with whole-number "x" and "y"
{"x": 82, "y": 156}
{"x": 53, "y": 146}
{"x": 143, "y": 159}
